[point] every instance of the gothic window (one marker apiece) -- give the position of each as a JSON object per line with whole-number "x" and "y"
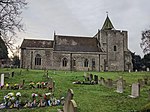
{"x": 38, "y": 59}
{"x": 93, "y": 63}
{"x": 86, "y": 63}
{"x": 74, "y": 62}
{"x": 64, "y": 62}
{"x": 115, "y": 48}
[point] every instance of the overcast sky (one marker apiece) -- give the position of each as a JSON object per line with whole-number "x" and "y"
{"x": 85, "y": 17}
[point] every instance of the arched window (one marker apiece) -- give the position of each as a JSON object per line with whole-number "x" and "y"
{"x": 115, "y": 48}
{"x": 38, "y": 59}
{"x": 74, "y": 62}
{"x": 93, "y": 63}
{"x": 86, "y": 63}
{"x": 64, "y": 62}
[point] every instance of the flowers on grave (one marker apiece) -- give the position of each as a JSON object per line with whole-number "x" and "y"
{"x": 18, "y": 94}
{"x": 38, "y": 84}
{"x": 31, "y": 84}
{"x": 13, "y": 101}
{"x": 7, "y": 85}
{"x": 16, "y": 86}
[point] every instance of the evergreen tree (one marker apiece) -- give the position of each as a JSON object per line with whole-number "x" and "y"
{"x": 16, "y": 61}
{"x": 146, "y": 60}
{"x": 3, "y": 50}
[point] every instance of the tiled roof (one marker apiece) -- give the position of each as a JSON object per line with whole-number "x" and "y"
{"x": 75, "y": 44}
{"x": 37, "y": 43}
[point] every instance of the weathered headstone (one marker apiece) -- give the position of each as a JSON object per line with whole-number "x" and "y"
{"x": 147, "y": 69}
{"x": 109, "y": 83}
{"x": 135, "y": 92}
{"x": 129, "y": 70}
{"x": 96, "y": 79}
{"x": 141, "y": 82}
{"x": 2, "y": 79}
{"x": 120, "y": 86}
{"x": 72, "y": 106}
{"x": 86, "y": 77}
{"x": 67, "y": 100}
{"x": 90, "y": 77}
{"x": 7, "y": 75}
{"x": 12, "y": 74}
{"x": 51, "y": 84}
{"x": 102, "y": 81}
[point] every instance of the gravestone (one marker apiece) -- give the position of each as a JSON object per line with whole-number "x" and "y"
{"x": 72, "y": 106}
{"x": 12, "y": 74}
{"x": 109, "y": 83}
{"x": 147, "y": 69}
{"x": 129, "y": 70}
{"x": 102, "y": 81}
{"x": 141, "y": 82}
{"x": 2, "y": 79}
{"x": 67, "y": 100}
{"x": 120, "y": 86}
{"x": 7, "y": 75}
{"x": 90, "y": 77}
{"x": 135, "y": 92}
{"x": 51, "y": 84}
{"x": 86, "y": 77}
{"x": 96, "y": 79}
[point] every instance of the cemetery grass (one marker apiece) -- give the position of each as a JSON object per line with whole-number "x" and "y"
{"x": 89, "y": 98}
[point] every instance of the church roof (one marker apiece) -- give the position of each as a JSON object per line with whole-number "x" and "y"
{"x": 75, "y": 44}
{"x": 107, "y": 24}
{"x": 37, "y": 43}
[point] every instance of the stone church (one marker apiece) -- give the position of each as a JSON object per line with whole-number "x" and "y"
{"x": 105, "y": 51}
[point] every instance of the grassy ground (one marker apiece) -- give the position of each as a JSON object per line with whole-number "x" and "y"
{"x": 89, "y": 98}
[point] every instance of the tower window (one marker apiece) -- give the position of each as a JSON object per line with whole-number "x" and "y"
{"x": 86, "y": 63}
{"x": 64, "y": 62}
{"x": 115, "y": 48}
{"x": 38, "y": 59}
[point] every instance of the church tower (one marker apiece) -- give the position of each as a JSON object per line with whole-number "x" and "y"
{"x": 115, "y": 44}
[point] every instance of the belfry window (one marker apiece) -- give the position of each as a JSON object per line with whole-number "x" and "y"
{"x": 38, "y": 59}
{"x": 64, "y": 62}
{"x": 86, "y": 63}
{"x": 115, "y": 48}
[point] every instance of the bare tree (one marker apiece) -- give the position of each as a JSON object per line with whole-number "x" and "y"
{"x": 145, "y": 44}
{"x": 10, "y": 20}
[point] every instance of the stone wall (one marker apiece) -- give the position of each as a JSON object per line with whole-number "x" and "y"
{"x": 79, "y": 61}
{"x": 111, "y": 40}
{"x": 28, "y": 58}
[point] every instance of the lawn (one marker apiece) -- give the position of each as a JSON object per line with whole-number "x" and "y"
{"x": 89, "y": 98}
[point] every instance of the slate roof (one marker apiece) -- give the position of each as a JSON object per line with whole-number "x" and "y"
{"x": 107, "y": 24}
{"x": 37, "y": 43}
{"x": 75, "y": 44}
